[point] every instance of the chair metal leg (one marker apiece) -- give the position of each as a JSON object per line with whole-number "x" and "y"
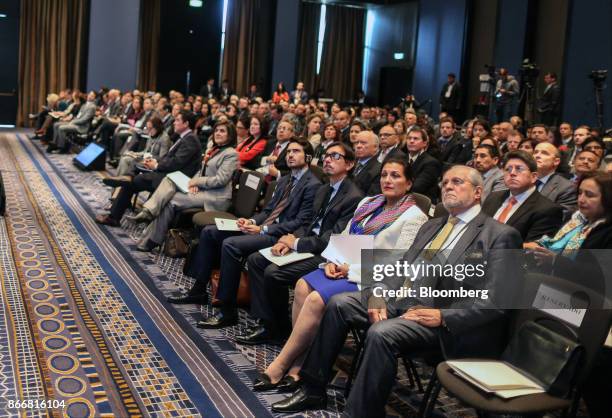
{"x": 433, "y": 398}
{"x": 415, "y": 373}
{"x": 427, "y": 394}
{"x": 409, "y": 371}
{"x": 359, "y": 342}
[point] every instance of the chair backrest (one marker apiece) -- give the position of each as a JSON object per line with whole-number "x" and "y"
{"x": 592, "y": 329}
{"x": 269, "y": 192}
{"x": 318, "y": 172}
{"x": 440, "y": 211}
{"x": 249, "y": 190}
{"x": 423, "y": 202}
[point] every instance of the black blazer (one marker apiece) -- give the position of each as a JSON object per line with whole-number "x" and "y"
{"x": 281, "y": 161}
{"x": 394, "y": 153}
{"x": 536, "y": 217}
{"x": 427, "y": 171}
{"x": 368, "y": 179}
{"x": 336, "y": 215}
{"x": 452, "y": 153}
{"x": 185, "y": 155}
{"x": 299, "y": 211}
{"x": 472, "y": 331}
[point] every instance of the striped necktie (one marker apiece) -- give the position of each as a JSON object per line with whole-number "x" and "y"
{"x": 282, "y": 203}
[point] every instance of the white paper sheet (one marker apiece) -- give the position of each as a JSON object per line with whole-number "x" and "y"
{"x": 227, "y": 224}
{"x": 283, "y": 260}
{"x": 180, "y": 180}
{"x": 252, "y": 181}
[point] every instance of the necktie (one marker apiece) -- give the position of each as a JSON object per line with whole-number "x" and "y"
{"x": 276, "y": 150}
{"x": 359, "y": 168}
{"x": 323, "y": 208}
{"x": 539, "y": 185}
{"x": 504, "y": 214}
{"x": 282, "y": 203}
{"x": 441, "y": 238}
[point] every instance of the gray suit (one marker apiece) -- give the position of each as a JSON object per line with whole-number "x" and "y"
{"x": 562, "y": 192}
{"x": 493, "y": 182}
{"x": 468, "y": 331}
{"x": 79, "y": 124}
{"x": 215, "y": 194}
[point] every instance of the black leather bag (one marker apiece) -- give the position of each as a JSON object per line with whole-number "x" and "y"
{"x": 549, "y": 358}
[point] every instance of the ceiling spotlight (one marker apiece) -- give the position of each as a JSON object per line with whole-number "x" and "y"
{"x": 196, "y": 3}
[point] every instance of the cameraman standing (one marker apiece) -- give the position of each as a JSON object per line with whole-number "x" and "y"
{"x": 506, "y": 92}
{"x": 549, "y": 104}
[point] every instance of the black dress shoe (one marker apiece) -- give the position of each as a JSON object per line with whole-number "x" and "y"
{"x": 106, "y": 220}
{"x": 263, "y": 383}
{"x": 188, "y": 299}
{"x": 52, "y": 147}
{"x": 117, "y": 181}
{"x": 301, "y": 400}
{"x": 259, "y": 335}
{"x": 223, "y": 318}
{"x": 288, "y": 384}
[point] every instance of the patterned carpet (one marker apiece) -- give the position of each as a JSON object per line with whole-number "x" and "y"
{"x": 84, "y": 320}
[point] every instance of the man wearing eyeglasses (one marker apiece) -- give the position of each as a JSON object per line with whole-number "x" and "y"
{"x": 333, "y": 207}
{"x": 389, "y": 144}
{"x": 522, "y": 206}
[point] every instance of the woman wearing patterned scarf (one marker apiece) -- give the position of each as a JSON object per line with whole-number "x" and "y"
{"x": 394, "y": 220}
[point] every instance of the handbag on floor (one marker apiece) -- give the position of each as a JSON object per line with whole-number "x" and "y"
{"x": 244, "y": 293}
{"x": 177, "y": 243}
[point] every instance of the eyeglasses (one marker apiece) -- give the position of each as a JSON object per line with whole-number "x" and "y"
{"x": 455, "y": 181}
{"x": 519, "y": 169}
{"x": 333, "y": 155}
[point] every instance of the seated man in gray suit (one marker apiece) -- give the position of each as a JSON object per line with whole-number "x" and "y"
{"x": 486, "y": 159}
{"x": 394, "y": 330}
{"x": 210, "y": 188}
{"x": 551, "y": 184}
{"x": 80, "y": 124}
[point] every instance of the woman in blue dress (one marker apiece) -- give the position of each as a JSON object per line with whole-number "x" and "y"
{"x": 394, "y": 219}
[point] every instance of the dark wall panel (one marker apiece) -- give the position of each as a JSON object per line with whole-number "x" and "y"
{"x": 588, "y": 47}
{"x": 394, "y": 29}
{"x": 286, "y": 44}
{"x": 440, "y": 46}
{"x": 190, "y": 42}
{"x": 9, "y": 51}
{"x": 113, "y": 44}
{"x": 510, "y": 34}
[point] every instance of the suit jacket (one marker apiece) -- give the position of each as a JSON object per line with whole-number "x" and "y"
{"x": 426, "y": 170}
{"x": 448, "y": 152}
{"x": 336, "y": 214}
{"x": 536, "y": 217}
{"x": 549, "y": 102}
{"x": 472, "y": 331}
{"x": 158, "y": 147}
{"x": 216, "y": 181}
{"x": 494, "y": 182}
{"x": 303, "y": 96}
{"x": 184, "y": 155}
{"x": 281, "y": 161}
{"x": 298, "y": 212}
{"x": 368, "y": 179}
{"x": 453, "y": 102}
{"x": 562, "y": 192}
{"x": 208, "y": 91}
{"x": 114, "y": 109}
{"x": 83, "y": 119}
{"x": 394, "y": 153}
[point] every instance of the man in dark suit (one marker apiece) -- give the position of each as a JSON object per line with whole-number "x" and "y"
{"x": 289, "y": 209}
{"x": 184, "y": 155}
{"x": 342, "y": 121}
{"x": 450, "y": 97}
{"x": 389, "y": 144}
{"x": 426, "y": 169}
{"x": 299, "y": 95}
{"x": 551, "y": 184}
{"x": 366, "y": 173}
{"x": 522, "y": 206}
{"x": 208, "y": 90}
{"x": 549, "y": 105}
{"x": 275, "y": 152}
{"x": 450, "y": 143}
{"x": 402, "y": 326}
{"x": 333, "y": 207}
{"x": 225, "y": 91}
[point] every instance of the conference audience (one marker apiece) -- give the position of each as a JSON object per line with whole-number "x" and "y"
{"x": 394, "y": 220}
{"x": 392, "y": 331}
{"x": 253, "y": 146}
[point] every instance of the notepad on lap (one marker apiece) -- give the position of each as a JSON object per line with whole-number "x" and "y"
{"x": 495, "y": 377}
{"x": 180, "y": 180}
{"x": 227, "y": 224}
{"x": 283, "y": 260}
